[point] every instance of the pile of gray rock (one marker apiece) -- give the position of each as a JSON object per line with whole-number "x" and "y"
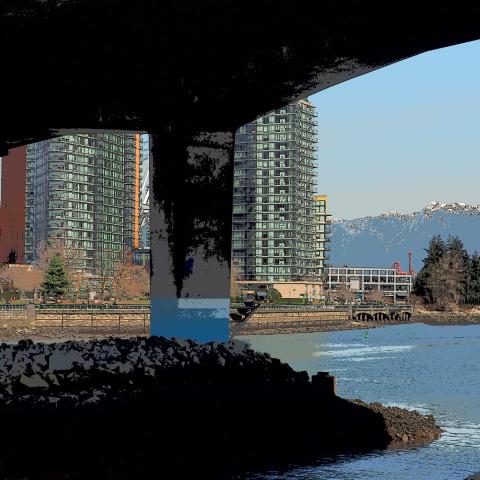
{"x": 87, "y": 372}
{"x": 405, "y": 426}
{"x": 126, "y": 408}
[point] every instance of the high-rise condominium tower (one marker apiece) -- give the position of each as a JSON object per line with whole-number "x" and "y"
{"x": 83, "y": 191}
{"x": 273, "y": 204}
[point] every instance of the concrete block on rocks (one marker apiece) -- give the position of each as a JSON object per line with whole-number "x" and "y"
{"x": 64, "y": 360}
{"x": 325, "y": 383}
{"x": 53, "y": 379}
{"x": 40, "y": 359}
{"x": 35, "y": 381}
{"x": 91, "y": 400}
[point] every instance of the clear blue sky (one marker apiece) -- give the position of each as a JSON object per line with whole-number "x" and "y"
{"x": 402, "y": 136}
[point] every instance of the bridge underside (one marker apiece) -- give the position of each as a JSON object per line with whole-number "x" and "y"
{"x": 190, "y": 73}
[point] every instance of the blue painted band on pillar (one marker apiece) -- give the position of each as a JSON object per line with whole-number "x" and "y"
{"x": 201, "y": 319}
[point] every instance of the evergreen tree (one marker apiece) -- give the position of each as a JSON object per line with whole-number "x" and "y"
{"x": 446, "y": 281}
{"x": 455, "y": 246}
{"x": 273, "y": 294}
{"x": 55, "y": 281}
{"x": 472, "y": 294}
{"x": 419, "y": 286}
{"x": 436, "y": 249}
{"x": 456, "y": 249}
{"x": 449, "y": 272}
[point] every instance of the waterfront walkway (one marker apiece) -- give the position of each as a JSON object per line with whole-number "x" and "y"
{"x": 270, "y": 319}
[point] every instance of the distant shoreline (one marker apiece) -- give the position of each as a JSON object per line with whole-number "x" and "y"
{"x": 316, "y": 327}
{"x": 15, "y": 331}
{"x": 435, "y": 318}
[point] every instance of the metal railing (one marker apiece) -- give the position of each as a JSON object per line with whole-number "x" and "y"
{"x": 470, "y": 304}
{"x": 321, "y": 308}
{"x": 90, "y": 306}
{"x": 10, "y": 308}
{"x": 300, "y": 307}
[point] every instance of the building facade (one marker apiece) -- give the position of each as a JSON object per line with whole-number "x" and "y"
{"x": 145, "y": 193}
{"x": 273, "y": 206}
{"x": 12, "y": 206}
{"x": 392, "y": 282}
{"x": 321, "y": 233}
{"x": 83, "y": 191}
{"x": 141, "y": 257}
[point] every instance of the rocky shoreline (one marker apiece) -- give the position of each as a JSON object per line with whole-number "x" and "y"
{"x": 137, "y": 407}
{"x": 13, "y": 331}
{"x": 313, "y": 328}
{"x": 405, "y": 426}
{"x": 430, "y": 317}
{"x": 465, "y": 317}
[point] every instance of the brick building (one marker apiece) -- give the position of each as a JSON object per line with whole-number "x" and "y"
{"x": 12, "y": 205}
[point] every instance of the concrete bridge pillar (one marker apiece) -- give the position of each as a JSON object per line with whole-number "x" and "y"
{"x": 191, "y": 176}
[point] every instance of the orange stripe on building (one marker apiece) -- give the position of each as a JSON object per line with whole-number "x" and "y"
{"x": 137, "y": 189}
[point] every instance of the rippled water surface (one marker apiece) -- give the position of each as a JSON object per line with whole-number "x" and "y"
{"x": 432, "y": 369}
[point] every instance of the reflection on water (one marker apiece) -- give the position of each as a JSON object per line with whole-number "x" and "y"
{"x": 358, "y": 352}
{"x": 431, "y": 369}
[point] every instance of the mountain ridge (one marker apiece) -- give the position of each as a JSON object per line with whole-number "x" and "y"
{"x": 383, "y": 239}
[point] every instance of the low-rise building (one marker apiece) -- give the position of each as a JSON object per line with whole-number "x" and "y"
{"x": 392, "y": 282}
{"x": 310, "y": 291}
{"x": 12, "y": 206}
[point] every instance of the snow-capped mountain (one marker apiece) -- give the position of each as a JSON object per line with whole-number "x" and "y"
{"x": 382, "y": 240}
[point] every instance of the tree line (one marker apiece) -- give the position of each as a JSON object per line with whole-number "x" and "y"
{"x": 54, "y": 275}
{"x": 450, "y": 276}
